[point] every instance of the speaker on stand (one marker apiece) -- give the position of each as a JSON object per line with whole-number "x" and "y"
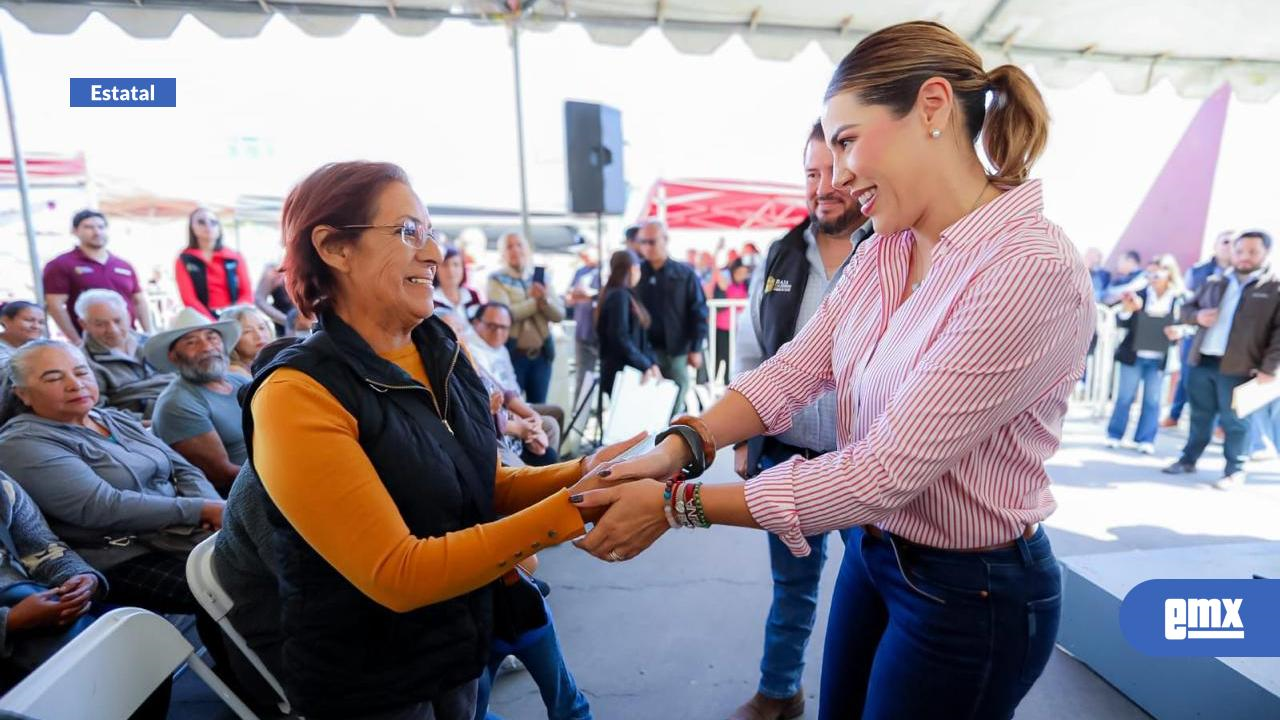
{"x": 593, "y": 168}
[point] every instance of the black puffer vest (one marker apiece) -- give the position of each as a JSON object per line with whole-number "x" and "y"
{"x": 197, "y": 270}
{"x": 343, "y": 653}
{"x": 775, "y": 312}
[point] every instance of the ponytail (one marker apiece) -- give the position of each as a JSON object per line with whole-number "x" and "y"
{"x": 1017, "y": 125}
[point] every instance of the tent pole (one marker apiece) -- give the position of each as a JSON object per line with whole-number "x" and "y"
{"x": 524, "y": 191}
{"x": 20, "y": 167}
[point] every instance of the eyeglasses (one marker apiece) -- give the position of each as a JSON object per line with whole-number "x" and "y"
{"x": 496, "y": 327}
{"x": 207, "y": 221}
{"x": 411, "y": 232}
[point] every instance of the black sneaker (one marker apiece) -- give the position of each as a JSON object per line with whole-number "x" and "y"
{"x": 1179, "y": 468}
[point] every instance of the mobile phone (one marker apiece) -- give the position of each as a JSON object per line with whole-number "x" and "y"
{"x": 540, "y": 275}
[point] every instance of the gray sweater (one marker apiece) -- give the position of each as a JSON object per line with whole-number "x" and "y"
{"x": 43, "y": 558}
{"x": 92, "y": 488}
{"x": 126, "y": 382}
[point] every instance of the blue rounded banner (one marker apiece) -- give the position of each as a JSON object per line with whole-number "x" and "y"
{"x": 1203, "y": 618}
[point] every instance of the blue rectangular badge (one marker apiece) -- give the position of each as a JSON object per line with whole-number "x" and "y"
{"x": 124, "y": 92}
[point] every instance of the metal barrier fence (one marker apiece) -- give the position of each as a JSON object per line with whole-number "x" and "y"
{"x": 718, "y": 377}
{"x": 1098, "y": 385}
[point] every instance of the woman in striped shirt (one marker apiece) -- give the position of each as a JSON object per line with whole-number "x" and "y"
{"x": 952, "y": 341}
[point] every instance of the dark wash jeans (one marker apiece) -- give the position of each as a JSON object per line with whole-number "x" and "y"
{"x": 794, "y": 608}
{"x": 919, "y": 632}
{"x": 1210, "y": 394}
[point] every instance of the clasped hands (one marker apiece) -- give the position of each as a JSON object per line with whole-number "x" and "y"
{"x": 622, "y": 499}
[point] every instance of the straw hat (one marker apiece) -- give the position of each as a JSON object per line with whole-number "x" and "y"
{"x": 156, "y": 349}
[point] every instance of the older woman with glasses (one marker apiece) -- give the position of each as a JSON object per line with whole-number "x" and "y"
{"x": 372, "y": 592}
{"x": 211, "y": 277}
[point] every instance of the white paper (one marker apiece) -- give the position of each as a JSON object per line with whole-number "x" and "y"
{"x": 1253, "y": 395}
{"x": 634, "y": 407}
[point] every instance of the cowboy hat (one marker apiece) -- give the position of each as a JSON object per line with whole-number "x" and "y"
{"x": 156, "y": 349}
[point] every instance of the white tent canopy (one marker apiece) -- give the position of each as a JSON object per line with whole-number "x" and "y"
{"x": 1194, "y": 44}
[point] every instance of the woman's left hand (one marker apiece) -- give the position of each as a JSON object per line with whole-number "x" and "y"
{"x": 632, "y": 519}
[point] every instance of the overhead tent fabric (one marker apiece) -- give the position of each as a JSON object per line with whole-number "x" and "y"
{"x": 1196, "y": 45}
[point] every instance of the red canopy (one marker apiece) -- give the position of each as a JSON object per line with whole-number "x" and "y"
{"x": 709, "y": 204}
{"x": 46, "y": 170}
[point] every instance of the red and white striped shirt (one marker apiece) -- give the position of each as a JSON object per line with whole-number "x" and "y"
{"x": 947, "y": 404}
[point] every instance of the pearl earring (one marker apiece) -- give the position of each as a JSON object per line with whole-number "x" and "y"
{"x": 935, "y": 133}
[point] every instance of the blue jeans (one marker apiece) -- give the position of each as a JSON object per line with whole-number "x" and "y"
{"x": 793, "y": 612}
{"x": 533, "y": 374}
{"x": 1264, "y": 428}
{"x": 1149, "y": 374}
{"x": 918, "y": 632}
{"x": 1180, "y": 391}
{"x": 542, "y": 657}
{"x": 675, "y": 368}
{"x": 1209, "y": 392}
{"x": 30, "y": 648}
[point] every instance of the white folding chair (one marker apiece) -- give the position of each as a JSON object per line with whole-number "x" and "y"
{"x": 110, "y": 669}
{"x": 215, "y": 601}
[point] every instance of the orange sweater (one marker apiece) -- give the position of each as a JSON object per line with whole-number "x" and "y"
{"x": 307, "y": 452}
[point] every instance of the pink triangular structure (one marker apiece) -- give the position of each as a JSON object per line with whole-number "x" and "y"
{"x": 1172, "y": 217}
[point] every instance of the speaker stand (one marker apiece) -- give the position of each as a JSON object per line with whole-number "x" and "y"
{"x": 599, "y": 354}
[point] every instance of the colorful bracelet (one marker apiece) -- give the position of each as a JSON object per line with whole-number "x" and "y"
{"x": 666, "y": 506}
{"x": 688, "y": 518}
{"x": 698, "y": 509}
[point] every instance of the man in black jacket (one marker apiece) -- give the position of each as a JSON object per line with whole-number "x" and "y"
{"x": 670, "y": 291}
{"x": 1239, "y": 339}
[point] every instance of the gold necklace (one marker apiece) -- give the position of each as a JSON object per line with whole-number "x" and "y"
{"x": 979, "y": 198}
{"x": 916, "y": 285}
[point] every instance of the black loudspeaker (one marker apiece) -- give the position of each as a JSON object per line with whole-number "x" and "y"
{"x": 593, "y": 158}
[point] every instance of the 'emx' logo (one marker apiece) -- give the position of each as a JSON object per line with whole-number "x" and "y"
{"x": 1203, "y": 619}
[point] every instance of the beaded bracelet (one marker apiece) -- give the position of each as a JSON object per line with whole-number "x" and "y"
{"x": 697, "y": 507}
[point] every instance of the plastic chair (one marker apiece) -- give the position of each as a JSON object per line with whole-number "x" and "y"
{"x": 215, "y": 601}
{"x": 109, "y": 670}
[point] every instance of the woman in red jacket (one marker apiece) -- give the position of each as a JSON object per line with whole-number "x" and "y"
{"x": 210, "y": 276}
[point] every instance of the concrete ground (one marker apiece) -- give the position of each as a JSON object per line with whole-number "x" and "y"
{"x": 676, "y": 633}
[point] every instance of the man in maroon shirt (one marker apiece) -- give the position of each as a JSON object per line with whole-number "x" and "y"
{"x": 86, "y": 266}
